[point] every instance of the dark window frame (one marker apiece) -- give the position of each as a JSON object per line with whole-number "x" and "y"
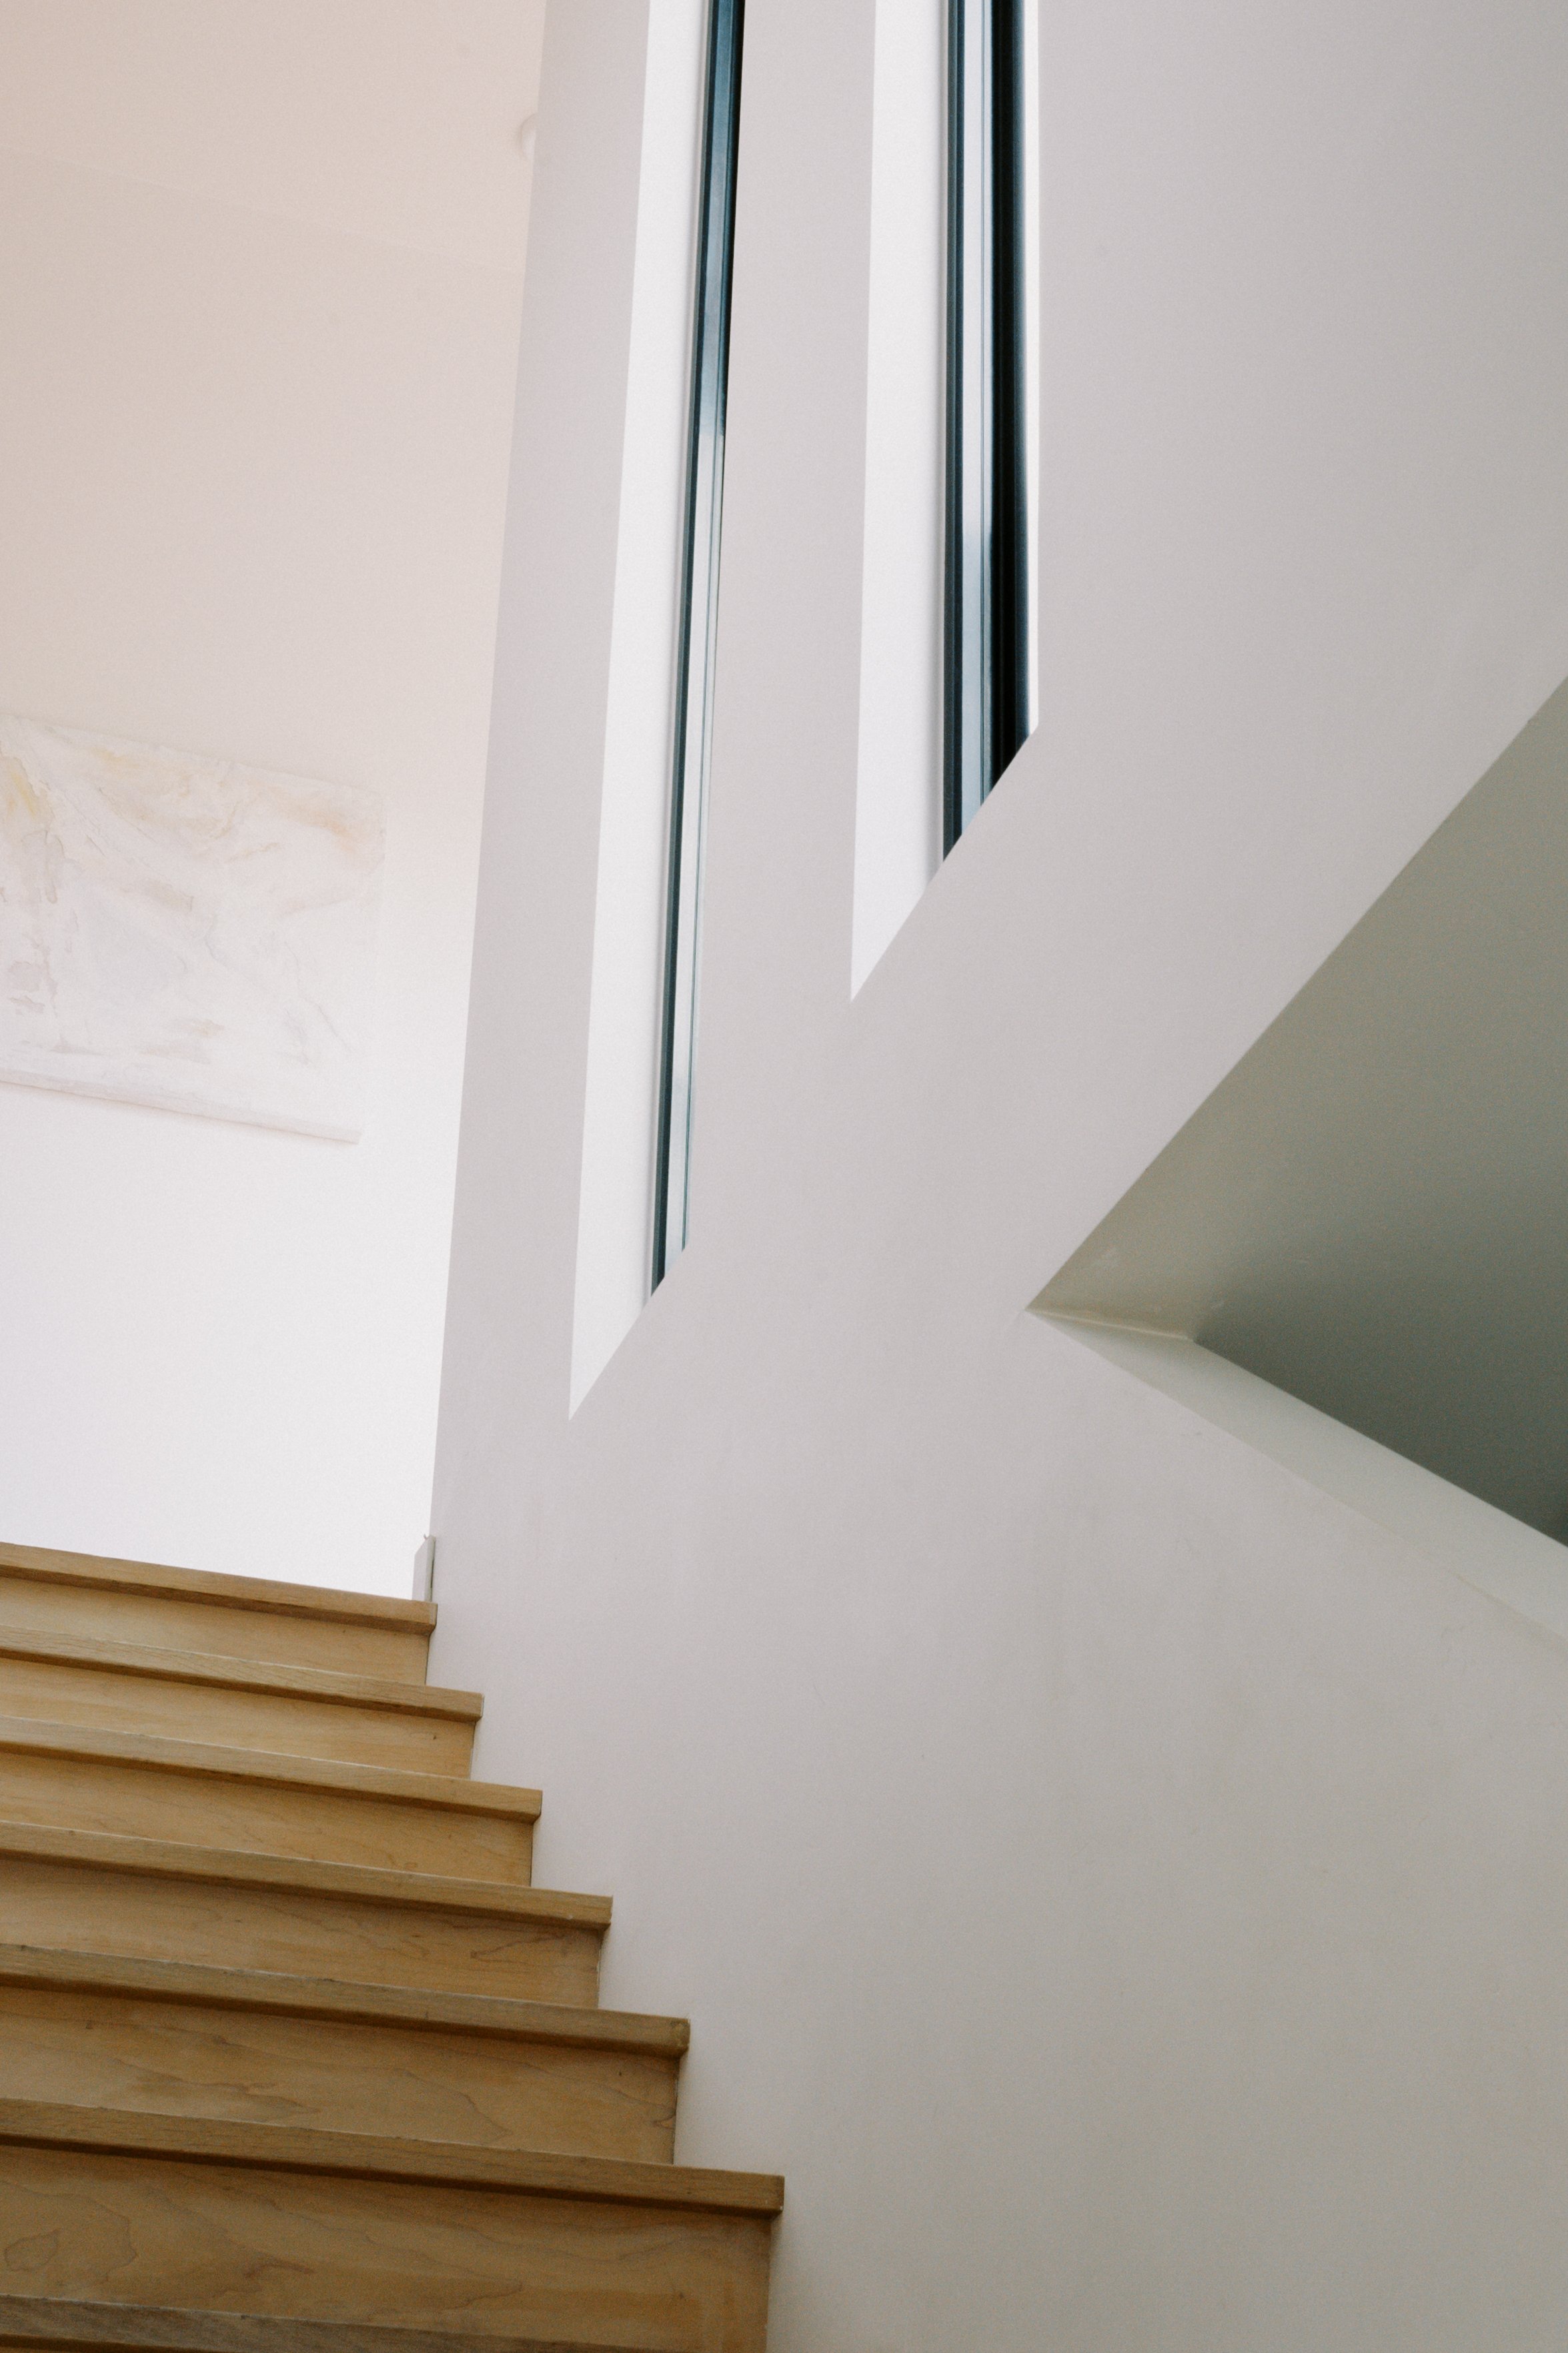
{"x": 986, "y": 603}
{"x": 699, "y": 612}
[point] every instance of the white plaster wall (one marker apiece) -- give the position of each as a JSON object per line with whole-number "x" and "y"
{"x": 1119, "y": 1882}
{"x": 260, "y": 285}
{"x": 898, "y": 785}
{"x": 615, "y": 1224}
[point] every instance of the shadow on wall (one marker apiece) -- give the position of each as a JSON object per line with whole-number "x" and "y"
{"x": 1370, "y": 1210}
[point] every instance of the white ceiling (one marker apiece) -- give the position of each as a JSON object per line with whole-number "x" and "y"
{"x": 396, "y": 120}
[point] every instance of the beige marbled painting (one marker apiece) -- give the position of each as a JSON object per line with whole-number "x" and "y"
{"x": 184, "y": 932}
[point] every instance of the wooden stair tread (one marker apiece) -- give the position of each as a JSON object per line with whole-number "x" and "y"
{"x": 448, "y": 1790}
{"x": 90, "y": 1570}
{"x": 112, "y": 1851}
{"x": 69, "y": 2326}
{"x": 199, "y": 2141}
{"x": 215, "y": 1670}
{"x": 240, "y": 1971}
{"x": 327, "y": 1997}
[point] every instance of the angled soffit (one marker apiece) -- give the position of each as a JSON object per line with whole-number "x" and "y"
{"x": 1370, "y": 1210}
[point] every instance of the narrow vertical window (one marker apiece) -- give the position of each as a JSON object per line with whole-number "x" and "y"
{"x": 698, "y": 626}
{"x": 986, "y": 695}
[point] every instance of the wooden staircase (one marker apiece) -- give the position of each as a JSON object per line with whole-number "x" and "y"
{"x": 293, "y": 2057}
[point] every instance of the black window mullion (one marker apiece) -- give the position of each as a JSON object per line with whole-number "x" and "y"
{"x": 1009, "y": 712}
{"x": 698, "y": 613}
{"x": 986, "y": 622}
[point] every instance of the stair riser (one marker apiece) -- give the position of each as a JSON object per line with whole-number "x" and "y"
{"x": 57, "y": 2324}
{"x": 281, "y": 1723}
{"x": 167, "y": 1623}
{"x": 147, "y": 1801}
{"x": 254, "y": 2067}
{"x": 150, "y": 2231}
{"x": 85, "y": 1909}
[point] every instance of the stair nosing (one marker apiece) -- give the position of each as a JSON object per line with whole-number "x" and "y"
{"x": 215, "y": 1671}
{"x": 359, "y": 1883}
{"x": 40, "y": 1565}
{"x": 199, "y": 1984}
{"x": 75, "y": 2324}
{"x": 298, "y": 2149}
{"x": 212, "y": 1761}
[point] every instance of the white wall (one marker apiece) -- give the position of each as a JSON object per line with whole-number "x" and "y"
{"x": 615, "y": 1225}
{"x": 261, "y": 286}
{"x": 1118, "y": 1881}
{"x": 898, "y": 784}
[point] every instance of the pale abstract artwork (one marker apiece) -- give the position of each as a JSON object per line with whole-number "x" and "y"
{"x": 184, "y": 931}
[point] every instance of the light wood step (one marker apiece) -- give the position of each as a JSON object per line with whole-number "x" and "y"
{"x": 260, "y": 1930}
{"x": 149, "y": 1898}
{"x": 142, "y": 1784}
{"x": 46, "y": 2324}
{"x": 237, "y": 1703}
{"x": 166, "y": 2038}
{"x": 336, "y": 2226}
{"x": 234, "y": 1617}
